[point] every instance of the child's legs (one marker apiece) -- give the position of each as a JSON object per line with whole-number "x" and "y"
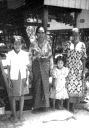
{"x": 62, "y": 101}
{"x": 67, "y": 104}
{"x": 13, "y": 105}
{"x": 21, "y": 98}
{"x": 57, "y": 103}
{"x": 72, "y": 103}
{"x": 10, "y": 101}
{"x": 52, "y": 103}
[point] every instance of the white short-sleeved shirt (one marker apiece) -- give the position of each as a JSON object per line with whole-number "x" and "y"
{"x": 17, "y": 62}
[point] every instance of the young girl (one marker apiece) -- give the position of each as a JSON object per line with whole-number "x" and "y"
{"x": 59, "y": 92}
{"x": 17, "y": 60}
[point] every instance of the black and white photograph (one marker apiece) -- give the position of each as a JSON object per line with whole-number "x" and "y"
{"x": 44, "y": 63}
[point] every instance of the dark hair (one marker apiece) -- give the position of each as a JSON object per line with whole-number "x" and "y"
{"x": 13, "y": 39}
{"x": 37, "y": 29}
{"x": 60, "y": 58}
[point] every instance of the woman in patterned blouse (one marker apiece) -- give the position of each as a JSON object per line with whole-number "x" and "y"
{"x": 41, "y": 53}
{"x": 75, "y": 61}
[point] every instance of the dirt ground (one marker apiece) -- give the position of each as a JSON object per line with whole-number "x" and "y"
{"x": 50, "y": 119}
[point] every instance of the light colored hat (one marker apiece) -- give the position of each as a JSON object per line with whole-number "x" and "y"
{"x": 75, "y": 30}
{"x": 41, "y": 29}
{"x": 17, "y": 38}
{"x": 58, "y": 55}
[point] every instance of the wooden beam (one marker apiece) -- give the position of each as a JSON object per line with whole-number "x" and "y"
{"x": 45, "y": 17}
{"x": 34, "y": 24}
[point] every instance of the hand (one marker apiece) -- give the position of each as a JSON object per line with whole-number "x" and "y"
{"x": 38, "y": 56}
{"x": 10, "y": 84}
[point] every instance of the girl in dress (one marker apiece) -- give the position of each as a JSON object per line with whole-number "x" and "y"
{"x": 59, "y": 92}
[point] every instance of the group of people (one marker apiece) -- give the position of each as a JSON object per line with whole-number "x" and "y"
{"x": 67, "y": 79}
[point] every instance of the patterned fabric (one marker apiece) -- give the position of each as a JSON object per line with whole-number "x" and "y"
{"x": 35, "y": 52}
{"x": 75, "y": 65}
{"x": 44, "y": 52}
{"x": 40, "y": 69}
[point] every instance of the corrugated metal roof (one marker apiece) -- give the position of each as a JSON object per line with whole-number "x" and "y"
{"x": 79, "y": 4}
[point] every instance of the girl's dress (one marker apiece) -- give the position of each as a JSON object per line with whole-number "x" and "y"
{"x": 59, "y": 90}
{"x": 18, "y": 66}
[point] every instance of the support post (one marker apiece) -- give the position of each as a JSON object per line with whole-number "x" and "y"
{"x": 75, "y": 17}
{"x": 45, "y": 16}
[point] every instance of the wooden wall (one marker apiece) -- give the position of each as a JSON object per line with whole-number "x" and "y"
{"x": 81, "y": 4}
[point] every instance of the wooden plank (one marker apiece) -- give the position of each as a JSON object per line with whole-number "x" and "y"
{"x": 50, "y": 2}
{"x": 60, "y": 3}
{"x": 35, "y": 24}
{"x": 13, "y": 4}
{"x": 83, "y": 4}
{"x": 80, "y": 4}
{"x": 45, "y": 17}
{"x": 66, "y": 3}
{"x": 87, "y": 4}
{"x": 71, "y": 3}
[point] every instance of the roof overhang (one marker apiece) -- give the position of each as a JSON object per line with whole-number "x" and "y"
{"x": 13, "y": 4}
{"x": 78, "y": 4}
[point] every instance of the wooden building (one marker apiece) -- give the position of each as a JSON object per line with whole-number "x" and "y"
{"x": 15, "y": 15}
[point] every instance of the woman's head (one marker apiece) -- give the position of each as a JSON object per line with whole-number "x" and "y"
{"x": 60, "y": 62}
{"x": 17, "y": 43}
{"x": 40, "y": 29}
{"x": 40, "y": 32}
{"x": 75, "y": 34}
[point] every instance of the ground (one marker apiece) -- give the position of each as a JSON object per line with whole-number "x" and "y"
{"x": 50, "y": 119}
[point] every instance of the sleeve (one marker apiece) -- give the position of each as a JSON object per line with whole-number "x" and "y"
{"x": 66, "y": 71}
{"x": 49, "y": 50}
{"x": 8, "y": 59}
{"x": 30, "y": 51}
{"x": 27, "y": 60}
{"x": 66, "y": 46}
{"x": 84, "y": 51}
